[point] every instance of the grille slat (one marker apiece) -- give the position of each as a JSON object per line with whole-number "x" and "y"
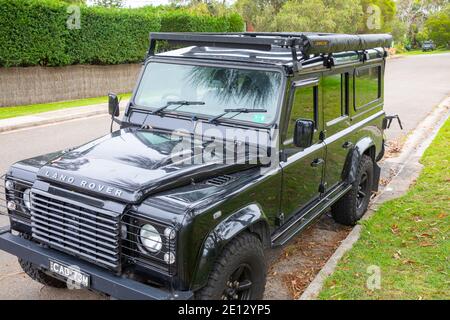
{"x": 75, "y": 252}
{"x": 48, "y": 227}
{"x": 74, "y": 214}
{"x": 72, "y": 219}
{"x": 67, "y": 227}
{"x": 76, "y": 244}
{"x": 76, "y": 228}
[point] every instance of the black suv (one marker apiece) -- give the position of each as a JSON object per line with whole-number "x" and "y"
{"x": 230, "y": 144}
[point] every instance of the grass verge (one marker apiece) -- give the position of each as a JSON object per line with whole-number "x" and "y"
{"x": 420, "y": 52}
{"x": 17, "y": 111}
{"x": 407, "y": 240}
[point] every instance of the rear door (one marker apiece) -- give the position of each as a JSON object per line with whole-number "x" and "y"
{"x": 303, "y": 168}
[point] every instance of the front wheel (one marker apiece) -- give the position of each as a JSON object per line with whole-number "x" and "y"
{"x": 38, "y": 275}
{"x": 239, "y": 273}
{"x": 351, "y": 207}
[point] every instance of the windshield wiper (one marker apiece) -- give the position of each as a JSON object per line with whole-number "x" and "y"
{"x": 237, "y": 111}
{"x": 179, "y": 104}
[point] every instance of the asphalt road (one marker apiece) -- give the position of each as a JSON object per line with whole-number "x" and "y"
{"x": 414, "y": 86}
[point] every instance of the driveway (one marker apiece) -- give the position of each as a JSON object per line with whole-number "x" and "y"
{"x": 414, "y": 86}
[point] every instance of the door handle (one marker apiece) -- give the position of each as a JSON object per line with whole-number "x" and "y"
{"x": 347, "y": 145}
{"x": 317, "y": 163}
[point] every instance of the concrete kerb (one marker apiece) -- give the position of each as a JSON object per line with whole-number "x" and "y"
{"x": 408, "y": 170}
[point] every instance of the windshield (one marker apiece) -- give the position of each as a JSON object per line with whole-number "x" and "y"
{"x": 218, "y": 88}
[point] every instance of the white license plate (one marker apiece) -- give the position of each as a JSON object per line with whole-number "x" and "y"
{"x": 71, "y": 273}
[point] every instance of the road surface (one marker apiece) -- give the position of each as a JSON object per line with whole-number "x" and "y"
{"x": 414, "y": 86}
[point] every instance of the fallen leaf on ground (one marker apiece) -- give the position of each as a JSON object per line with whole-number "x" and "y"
{"x": 394, "y": 229}
{"x": 397, "y": 255}
{"x": 426, "y": 244}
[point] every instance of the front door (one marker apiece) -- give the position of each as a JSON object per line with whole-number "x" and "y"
{"x": 303, "y": 169}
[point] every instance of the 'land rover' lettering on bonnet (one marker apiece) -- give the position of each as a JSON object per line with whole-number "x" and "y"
{"x": 83, "y": 183}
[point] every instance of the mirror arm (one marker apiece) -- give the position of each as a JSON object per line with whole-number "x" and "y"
{"x": 114, "y": 119}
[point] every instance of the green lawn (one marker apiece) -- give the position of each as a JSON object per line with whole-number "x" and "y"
{"x": 419, "y": 52}
{"x": 408, "y": 239}
{"x": 17, "y": 111}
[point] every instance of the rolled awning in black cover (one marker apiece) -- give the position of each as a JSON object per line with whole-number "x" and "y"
{"x": 316, "y": 44}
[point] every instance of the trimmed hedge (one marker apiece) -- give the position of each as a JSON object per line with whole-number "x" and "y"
{"x": 111, "y": 36}
{"x": 34, "y": 32}
{"x": 173, "y": 21}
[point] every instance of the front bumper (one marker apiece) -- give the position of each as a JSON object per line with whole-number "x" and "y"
{"x": 101, "y": 280}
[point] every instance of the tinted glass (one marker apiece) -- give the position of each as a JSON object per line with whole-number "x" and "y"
{"x": 219, "y": 88}
{"x": 332, "y": 97}
{"x": 303, "y": 107}
{"x": 366, "y": 86}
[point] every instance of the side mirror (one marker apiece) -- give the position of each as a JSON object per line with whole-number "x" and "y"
{"x": 113, "y": 105}
{"x": 303, "y": 133}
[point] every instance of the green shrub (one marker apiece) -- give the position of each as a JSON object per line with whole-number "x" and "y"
{"x": 111, "y": 36}
{"x": 183, "y": 21}
{"x": 34, "y": 32}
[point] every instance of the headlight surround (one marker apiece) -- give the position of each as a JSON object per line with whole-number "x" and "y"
{"x": 150, "y": 238}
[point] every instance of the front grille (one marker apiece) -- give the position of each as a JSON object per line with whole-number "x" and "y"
{"x": 76, "y": 228}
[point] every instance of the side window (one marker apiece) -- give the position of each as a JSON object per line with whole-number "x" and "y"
{"x": 304, "y": 106}
{"x": 367, "y": 86}
{"x": 334, "y": 104}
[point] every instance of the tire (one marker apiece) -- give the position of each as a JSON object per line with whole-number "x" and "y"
{"x": 239, "y": 273}
{"x": 353, "y": 205}
{"x": 37, "y": 275}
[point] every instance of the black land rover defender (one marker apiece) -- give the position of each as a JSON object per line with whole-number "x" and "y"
{"x": 230, "y": 145}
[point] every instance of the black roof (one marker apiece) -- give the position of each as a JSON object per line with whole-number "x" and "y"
{"x": 266, "y": 47}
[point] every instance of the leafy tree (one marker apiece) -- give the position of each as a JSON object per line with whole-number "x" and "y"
{"x": 251, "y": 10}
{"x": 438, "y": 27}
{"x": 79, "y": 2}
{"x": 414, "y": 13}
{"x": 399, "y": 31}
{"x": 109, "y": 3}
{"x": 341, "y": 16}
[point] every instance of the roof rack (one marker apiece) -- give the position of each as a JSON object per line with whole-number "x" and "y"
{"x": 305, "y": 43}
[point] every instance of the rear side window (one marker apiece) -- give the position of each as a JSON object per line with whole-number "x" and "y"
{"x": 334, "y": 105}
{"x": 367, "y": 86}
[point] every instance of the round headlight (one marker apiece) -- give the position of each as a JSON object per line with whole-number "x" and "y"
{"x": 150, "y": 238}
{"x": 9, "y": 185}
{"x": 27, "y": 198}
